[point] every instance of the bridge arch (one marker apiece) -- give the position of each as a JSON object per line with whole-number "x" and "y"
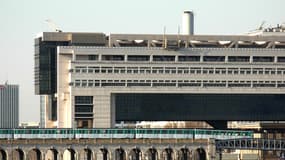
{"x": 51, "y": 154}
{"x": 152, "y": 154}
{"x": 168, "y": 154}
{"x": 135, "y": 154}
{"x": 34, "y": 153}
{"x": 3, "y": 154}
{"x": 200, "y": 154}
{"x": 86, "y": 154}
{"x": 120, "y": 154}
{"x": 18, "y": 154}
{"x": 103, "y": 154}
{"x": 184, "y": 154}
{"x": 69, "y": 154}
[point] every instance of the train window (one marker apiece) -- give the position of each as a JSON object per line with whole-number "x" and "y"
{"x": 95, "y": 131}
{"x": 145, "y": 131}
{"x": 149, "y": 131}
{"x": 138, "y": 131}
{"x": 164, "y": 131}
{"x": 179, "y": 131}
{"x": 156, "y": 131}
{"x": 35, "y": 131}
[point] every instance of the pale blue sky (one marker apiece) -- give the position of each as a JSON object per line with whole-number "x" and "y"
{"x": 21, "y": 20}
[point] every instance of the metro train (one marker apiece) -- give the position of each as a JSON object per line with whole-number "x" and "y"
{"x": 54, "y": 133}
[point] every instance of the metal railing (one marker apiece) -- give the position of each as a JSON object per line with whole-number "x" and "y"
{"x": 251, "y": 144}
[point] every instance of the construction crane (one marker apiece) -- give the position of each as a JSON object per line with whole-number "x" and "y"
{"x": 258, "y": 30}
{"x": 53, "y": 26}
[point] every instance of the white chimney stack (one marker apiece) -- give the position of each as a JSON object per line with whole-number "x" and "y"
{"x": 188, "y": 23}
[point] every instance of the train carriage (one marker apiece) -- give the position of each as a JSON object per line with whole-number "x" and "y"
{"x": 42, "y": 133}
{"x": 222, "y": 134}
{"x": 56, "y": 133}
{"x": 104, "y": 133}
{"x": 164, "y": 133}
{"x": 6, "y": 133}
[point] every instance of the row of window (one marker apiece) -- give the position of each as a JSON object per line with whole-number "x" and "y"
{"x": 185, "y": 58}
{"x": 176, "y": 70}
{"x": 176, "y": 83}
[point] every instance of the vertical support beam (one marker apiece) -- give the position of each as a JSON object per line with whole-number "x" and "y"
{"x": 64, "y": 108}
{"x": 43, "y": 154}
{"x": 148, "y": 43}
{"x": 220, "y": 154}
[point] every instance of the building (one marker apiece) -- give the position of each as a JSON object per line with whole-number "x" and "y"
{"x": 29, "y": 125}
{"x": 9, "y": 106}
{"x": 98, "y": 80}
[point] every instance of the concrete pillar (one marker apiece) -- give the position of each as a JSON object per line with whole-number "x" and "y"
{"x": 160, "y": 154}
{"x": 142, "y": 154}
{"x": 43, "y": 155}
{"x": 127, "y": 155}
{"x": 175, "y": 154}
{"x": 60, "y": 155}
{"x": 211, "y": 149}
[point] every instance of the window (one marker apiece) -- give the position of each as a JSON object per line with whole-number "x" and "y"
{"x": 83, "y": 99}
{"x": 138, "y": 58}
{"x": 77, "y": 83}
{"x": 92, "y": 57}
{"x": 87, "y": 57}
{"x": 238, "y": 58}
{"x": 262, "y": 59}
{"x": 214, "y": 58}
{"x": 113, "y": 57}
{"x": 163, "y": 58}
{"x": 281, "y": 59}
{"x": 188, "y": 58}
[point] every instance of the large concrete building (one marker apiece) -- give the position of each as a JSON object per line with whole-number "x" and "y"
{"x": 97, "y": 80}
{"x": 9, "y": 106}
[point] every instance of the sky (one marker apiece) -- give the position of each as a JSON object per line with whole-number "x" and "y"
{"x": 21, "y": 20}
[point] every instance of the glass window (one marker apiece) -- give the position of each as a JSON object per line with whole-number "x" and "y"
{"x": 189, "y": 58}
{"x": 138, "y": 58}
{"x": 214, "y": 58}
{"x": 238, "y": 58}
{"x": 113, "y": 57}
{"x": 263, "y": 59}
{"x": 163, "y": 58}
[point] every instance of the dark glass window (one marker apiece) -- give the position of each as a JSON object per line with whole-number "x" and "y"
{"x": 238, "y": 58}
{"x": 214, "y": 58}
{"x": 83, "y": 107}
{"x": 280, "y": 59}
{"x": 83, "y": 99}
{"x": 189, "y": 58}
{"x": 113, "y": 57}
{"x": 140, "y": 106}
{"x": 92, "y": 57}
{"x": 138, "y": 58}
{"x": 163, "y": 58}
{"x": 263, "y": 59}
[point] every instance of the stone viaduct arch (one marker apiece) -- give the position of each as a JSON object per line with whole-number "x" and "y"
{"x": 108, "y": 151}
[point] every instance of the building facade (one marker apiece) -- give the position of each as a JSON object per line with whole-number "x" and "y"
{"x": 9, "y": 106}
{"x": 96, "y": 80}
